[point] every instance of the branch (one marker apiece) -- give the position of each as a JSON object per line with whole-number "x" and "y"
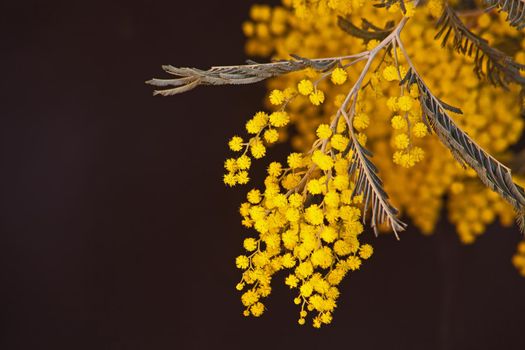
{"x": 190, "y": 78}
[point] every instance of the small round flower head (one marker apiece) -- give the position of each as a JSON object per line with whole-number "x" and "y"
{"x": 398, "y": 122}
{"x": 314, "y": 187}
{"x": 242, "y": 177}
{"x": 353, "y": 262}
{"x": 271, "y": 135}
{"x": 390, "y": 73}
{"x": 291, "y": 281}
{"x": 314, "y": 215}
{"x": 279, "y": 119}
{"x": 366, "y": 251}
{"x": 295, "y": 160}
{"x": 250, "y": 244}
{"x": 230, "y": 165}
{"x": 235, "y": 143}
{"x": 405, "y": 103}
{"x": 230, "y": 179}
{"x": 361, "y": 121}
{"x": 257, "y": 309}
{"x": 317, "y": 97}
{"x": 401, "y": 141}
{"x": 339, "y": 142}
{"x": 305, "y": 87}
{"x": 295, "y": 200}
{"x": 243, "y": 162}
{"x": 275, "y": 169}
{"x": 254, "y": 196}
{"x": 276, "y": 97}
{"x": 420, "y": 130}
{"x": 339, "y": 76}
{"x": 257, "y": 149}
{"x": 324, "y": 131}
{"x": 323, "y": 161}
{"x": 242, "y": 262}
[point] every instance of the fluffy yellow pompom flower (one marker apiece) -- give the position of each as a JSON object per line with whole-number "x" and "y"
{"x": 230, "y": 179}
{"x": 317, "y": 97}
{"x": 242, "y": 262}
{"x": 361, "y": 121}
{"x": 257, "y": 309}
{"x": 366, "y": 251}
{"x": 324, "y": 132}
{"x": 254, "y": 196}
{"x": 291, "y": 281}
{"x": 314, "y": 215}
{"x": 314, "y": 187}
{"x": 249, "y": 298}
{"x": 279, "y": 119}
{"x": 250, "y": 244}
{"x": 323, "y": 161}
{"x": 230, "y": 164}
{"x": 339, "y": 142}
{"x": 295, "y": 160}
{"x": 243, "y": 162}
{"x": 390, "y": 73}
{"x": 328, "y": 234}
{"x": 235, "y": 143}
{"x": 401, "y": 141}
{"x": 331, "y": 199}
{"x": 271, "y": 135}
{"x": 398, "y": 122}
{"x": 275, "y": 169}
{"x": 353, "y": 262}
{"x": 276, "y": 97}
{"x": 420, "y": 130}
{"x": 295, "y": 200}
{"x": 242, "y": 177}
{"x": 258, "y": 150}
{"x": 339, "y": 76}
{"x": 405, "y": 103}
{"x": 305, "y": 87}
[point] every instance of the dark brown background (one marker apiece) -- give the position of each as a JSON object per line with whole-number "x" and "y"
{"x": 116, "y": 232}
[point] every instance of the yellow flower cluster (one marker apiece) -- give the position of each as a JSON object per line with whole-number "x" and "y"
{"x": 307, "y": 219}
{"x": 307, "y": 223}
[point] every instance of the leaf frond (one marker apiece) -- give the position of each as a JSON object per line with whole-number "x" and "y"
{"x": 369, "y": 185}
{"x": 368, "y": 32}
{"x": 515, "y": 10}
{"x": 492, "y": 173}
{"x": 489, "y": 62}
